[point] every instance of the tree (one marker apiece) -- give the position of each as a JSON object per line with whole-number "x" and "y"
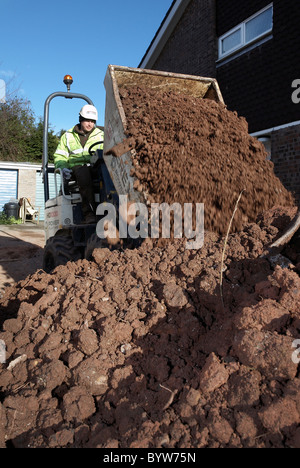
{"x": 21, "y": 139}
{"x": 16, "y": 125}
{"x": 35, "y": 143}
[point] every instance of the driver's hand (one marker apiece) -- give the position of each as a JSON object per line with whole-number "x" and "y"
{"x": 67, "y": 173}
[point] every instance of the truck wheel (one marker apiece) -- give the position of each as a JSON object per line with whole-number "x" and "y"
{"x": 59, "y": 250}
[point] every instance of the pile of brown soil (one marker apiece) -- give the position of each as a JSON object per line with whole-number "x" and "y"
{"x": 166, "y": 347}
{"x": 196, "y": 151}
{"x": 143, "y": 348}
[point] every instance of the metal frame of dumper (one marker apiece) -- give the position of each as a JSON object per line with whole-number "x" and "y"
{"x": 66, "y": 238}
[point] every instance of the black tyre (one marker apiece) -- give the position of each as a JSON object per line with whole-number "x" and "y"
{"x": 59, "y": 250}
{"x": 94, "y": 242}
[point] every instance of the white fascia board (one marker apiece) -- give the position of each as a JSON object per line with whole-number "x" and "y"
{"x": 274, "y": 129}
{"x": 164, "y": 33}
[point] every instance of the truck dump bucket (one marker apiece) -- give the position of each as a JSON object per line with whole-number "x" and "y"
{"x": 118, "y": 77}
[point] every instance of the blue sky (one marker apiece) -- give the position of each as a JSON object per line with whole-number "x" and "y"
{"x": 42, "y": 41}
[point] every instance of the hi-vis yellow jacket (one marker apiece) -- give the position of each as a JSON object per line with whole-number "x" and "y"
{"x": 70, "y": 153}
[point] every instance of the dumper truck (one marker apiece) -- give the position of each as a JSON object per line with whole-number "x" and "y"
{"x": 67, "y": 239}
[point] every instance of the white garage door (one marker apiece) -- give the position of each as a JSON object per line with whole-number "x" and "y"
{"x": 8, "y": 186}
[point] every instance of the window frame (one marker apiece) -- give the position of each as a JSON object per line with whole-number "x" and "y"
{"x": 242, "y": 28}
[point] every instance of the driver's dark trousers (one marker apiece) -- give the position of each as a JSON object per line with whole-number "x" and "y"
{"x": 84, "y": 178}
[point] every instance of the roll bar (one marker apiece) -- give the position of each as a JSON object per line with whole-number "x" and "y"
{"x": 45, "y": 169}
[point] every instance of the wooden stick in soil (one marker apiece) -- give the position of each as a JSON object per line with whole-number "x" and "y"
{"x": 225, "y": 244}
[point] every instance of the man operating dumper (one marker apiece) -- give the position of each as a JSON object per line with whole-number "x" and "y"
{"x": 73, "y": 158}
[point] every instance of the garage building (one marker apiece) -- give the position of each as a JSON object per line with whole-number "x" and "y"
{"x": 24, "y": 180}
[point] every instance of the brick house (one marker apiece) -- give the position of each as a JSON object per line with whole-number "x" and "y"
{"x": 252, "y": 49}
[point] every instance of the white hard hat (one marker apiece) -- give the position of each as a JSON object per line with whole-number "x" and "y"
{"x": 89, "y": 112}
